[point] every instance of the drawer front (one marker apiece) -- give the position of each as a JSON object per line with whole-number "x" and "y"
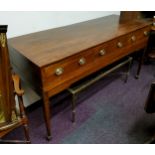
{"x": 69, "y": 65}
{"x": 76, "y": 67}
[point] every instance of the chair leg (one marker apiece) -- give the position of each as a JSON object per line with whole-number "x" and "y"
{"x": 73, "y": 107}
{"x": 23, "y": 116}
{"x": 141, "y": 60}
{"x": 26, "y": 132}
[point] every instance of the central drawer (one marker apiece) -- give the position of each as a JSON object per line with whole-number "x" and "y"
{"x": 86, "y": 62}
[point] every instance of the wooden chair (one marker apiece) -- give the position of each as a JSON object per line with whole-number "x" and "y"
{"x": 12, "y": 113}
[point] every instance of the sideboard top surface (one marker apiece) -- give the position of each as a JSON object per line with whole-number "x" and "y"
{"x": 49, "y": 46}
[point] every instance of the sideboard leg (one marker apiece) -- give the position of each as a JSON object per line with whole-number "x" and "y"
{"x": 140, "y": 63}
{"x": 47, "y": 115}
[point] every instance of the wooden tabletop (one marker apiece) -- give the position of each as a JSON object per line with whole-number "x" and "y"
{"x": 46, "y": 47}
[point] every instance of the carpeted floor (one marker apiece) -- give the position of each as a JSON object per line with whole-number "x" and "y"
{"x": 109, "y": 112}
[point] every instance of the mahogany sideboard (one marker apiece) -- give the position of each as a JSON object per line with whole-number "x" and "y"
{"x": 52, "y": 60}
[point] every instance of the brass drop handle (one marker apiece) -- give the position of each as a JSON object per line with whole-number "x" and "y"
{"x": 146, "y": 33}
{"x": 119, "y": 44}
{"x": 133, "y": 38}
{"x": 102, "y": 52}
{"x": 82, "y": 61}
{"x": 59, "y": 71}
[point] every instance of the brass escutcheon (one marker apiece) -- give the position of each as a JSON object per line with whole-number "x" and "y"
{"x": 59, "y": 71}
{"x": 133, "y": 38}
{"x": 82, "y": 61}
{"x": 146, "y": 33}
{"x": 119, "y": 44}
{"x": 102, "y": 52}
